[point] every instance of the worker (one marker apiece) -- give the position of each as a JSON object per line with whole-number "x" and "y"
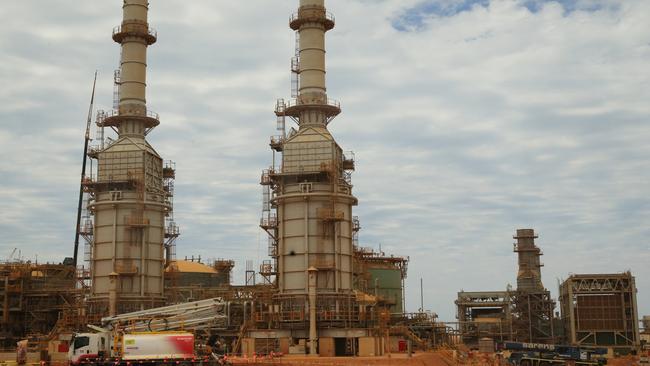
{"x": 21, "y": 352}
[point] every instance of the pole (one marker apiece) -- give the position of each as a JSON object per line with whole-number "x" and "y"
{"x": 421, "y": 295}
{"x": 83, "y": 174}
{"x": 313, "y": 332}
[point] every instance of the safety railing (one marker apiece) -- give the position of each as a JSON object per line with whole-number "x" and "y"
{"x": 294, "y": 102}
{"x": 135, "y": 28}
{"x": 296, "y": 16}
{"x": 269, "y": 222}
{"x": 102, "y": 115}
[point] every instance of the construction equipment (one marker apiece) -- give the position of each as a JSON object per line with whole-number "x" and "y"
{"x": 11, "y": 256}
{"x": 540, "y": 354}
{"x": 156, "y": 336}
{"x": 83, "y": 173}
{"x": 203, "y": 314}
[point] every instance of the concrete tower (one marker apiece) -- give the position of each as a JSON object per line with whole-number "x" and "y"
{"x": 529, "y": 277}
{"x": 130, "y": 201}
{"x": 308, "y": 211}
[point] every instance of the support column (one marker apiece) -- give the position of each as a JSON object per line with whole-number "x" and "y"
{"x": 313, "y": 332}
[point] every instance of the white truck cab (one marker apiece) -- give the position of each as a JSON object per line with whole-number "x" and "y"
{"x": 88, "y": 346}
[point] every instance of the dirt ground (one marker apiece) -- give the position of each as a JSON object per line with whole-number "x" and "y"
{"x": 421, "y": 359}
{"x": 624, "y": 361}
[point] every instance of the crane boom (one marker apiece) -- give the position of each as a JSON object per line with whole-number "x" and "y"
{"x": 202, "y": 314}
{"x": 83, "y": 173}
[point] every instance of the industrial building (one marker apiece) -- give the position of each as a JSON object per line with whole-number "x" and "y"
{"x": 484, "y": 315}
{"x": 322, "y": 293}
{"x": 191, "y": 280}
{"x": 382, "y": 276}
{"x": 523, "y": 314}
{"x": 596, "y": 309}
{"x": 600, "y": 310}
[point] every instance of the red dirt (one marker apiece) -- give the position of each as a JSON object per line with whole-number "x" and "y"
{"x": 420, "y": 359}
{"x": 623, "y": 361}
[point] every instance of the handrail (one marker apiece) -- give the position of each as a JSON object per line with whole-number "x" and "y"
{"x": 278, "y": 139}
{"x": 125, "y": 28}
{"x": 328, "y": 16}
{"x": 330, "y": 102}
{"x": 104, "y": 114}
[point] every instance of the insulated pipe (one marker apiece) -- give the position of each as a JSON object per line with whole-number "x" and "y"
{"x": 313, "y": 334}
{"x": 112, "y": 294}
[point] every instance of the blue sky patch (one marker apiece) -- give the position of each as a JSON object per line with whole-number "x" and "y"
{"x": 569, "y": 6}
{"x": 414, "y": 18}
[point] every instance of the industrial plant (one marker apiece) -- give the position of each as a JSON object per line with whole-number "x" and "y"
{"x": 321, "y": 293}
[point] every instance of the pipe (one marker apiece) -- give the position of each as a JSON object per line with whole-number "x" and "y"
{"x": 113, "y": 258}
{"x": 112, "y": 294}
{"x": 313, "y": 333}
{"x": 306, "y": 239}
{"x": 143, "y": 270}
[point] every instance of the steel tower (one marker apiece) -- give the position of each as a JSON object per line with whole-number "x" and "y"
{"x": 131, "y": 193}
{"x": 308, "y": 198}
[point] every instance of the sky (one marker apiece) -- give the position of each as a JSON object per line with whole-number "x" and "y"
{"x": 469, "y": 119}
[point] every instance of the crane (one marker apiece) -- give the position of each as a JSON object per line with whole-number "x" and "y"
{"x": 83, "y": 173}
{"x": 11, "y": 256}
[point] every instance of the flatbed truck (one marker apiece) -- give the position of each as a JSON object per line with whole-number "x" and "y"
{"x": 539, "y": 354}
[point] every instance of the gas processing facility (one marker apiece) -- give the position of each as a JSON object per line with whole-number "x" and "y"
{"x": 320, "y": 293}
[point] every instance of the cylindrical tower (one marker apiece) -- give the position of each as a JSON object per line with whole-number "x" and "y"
{"x": 314, "y": 203}
{"x": 130, "y": 202}
{"x": 312, "y": 191}
{"x": 529, "y": 277}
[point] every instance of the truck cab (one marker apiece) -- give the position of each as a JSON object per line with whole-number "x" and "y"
{"x": 87, "y": 346}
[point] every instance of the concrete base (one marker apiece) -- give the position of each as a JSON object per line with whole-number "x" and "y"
{"x": 371, "y": 346}
{"x": 326, "y": 347}
{"x": 248, "y": 347}
{"x": 284, "y": 345}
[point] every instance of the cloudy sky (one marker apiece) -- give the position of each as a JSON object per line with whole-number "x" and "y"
{"x": 469, "y": 119}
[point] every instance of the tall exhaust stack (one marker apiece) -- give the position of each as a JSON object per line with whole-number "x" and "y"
{"x": 529, "y": 277}
{"x": 130, "y": 198}
{"x": 308, "y": 199}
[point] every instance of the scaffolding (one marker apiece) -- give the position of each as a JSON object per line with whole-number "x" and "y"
{"x": 533, "y": 317}
{"x": 484, "y": 315}
{"x": 38, "y": 299}
{"x": 532, "y": 305}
